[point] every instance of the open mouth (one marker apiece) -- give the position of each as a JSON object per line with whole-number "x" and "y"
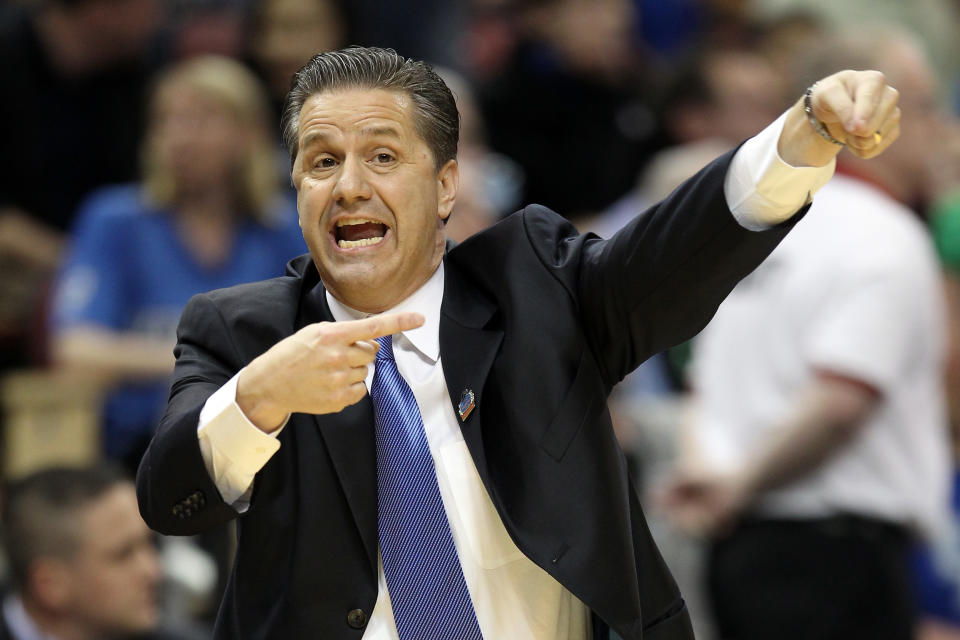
{"x": 358, "y": 232}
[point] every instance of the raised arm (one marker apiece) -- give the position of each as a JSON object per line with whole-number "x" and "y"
{"x": 659, "y": 280}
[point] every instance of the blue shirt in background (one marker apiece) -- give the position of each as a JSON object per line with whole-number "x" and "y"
{"x": 128, "y": 270}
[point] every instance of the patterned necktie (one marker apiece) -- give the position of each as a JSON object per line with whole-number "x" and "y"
{"x": 427, "y": 589}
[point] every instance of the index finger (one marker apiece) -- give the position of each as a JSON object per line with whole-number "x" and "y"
{"x": 378, "y": 326}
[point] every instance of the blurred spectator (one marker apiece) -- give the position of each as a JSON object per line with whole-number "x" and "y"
{"x": 786, "y": 39}
{"x": 73, "y": 82}
{"x": 430, "y": 30}
{"x": 937, "y": 565}
{"x": 671, "y": 27}
{"x": 83, "y": 565}
{"x": 489, "y": 183}
{"x": 725, "y": 93}
{"x": 717, "y": 98}
{"x": 945, "y": 224}
{"x": 205, "y": 27}
{"x": 284, "y": 35}
{"x": 206, "y": 216}
{"x": 819, "y": 444}
{"x": 934, "y": 21}
{"x": 936, "y": 574}
{"x": 569, "y": 107}
{"x": 489, "y": 38}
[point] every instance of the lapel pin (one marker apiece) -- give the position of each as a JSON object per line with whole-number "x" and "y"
{"x": 466, "y": 404}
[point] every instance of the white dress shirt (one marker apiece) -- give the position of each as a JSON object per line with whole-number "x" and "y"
{"x": 512, "y": 596}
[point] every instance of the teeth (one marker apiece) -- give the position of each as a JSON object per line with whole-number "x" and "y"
{"x": 366, "y": 242}
{"x": 353, "y": 221}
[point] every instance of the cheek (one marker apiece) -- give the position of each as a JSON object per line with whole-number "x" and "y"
{"x": 95, "y": 586}
{"x": 312, "y": 200}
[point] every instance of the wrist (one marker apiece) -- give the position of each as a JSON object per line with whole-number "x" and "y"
{"x": 256, "y": 405}
{"x": 819, "y": 127}
{"x": 800, "y": 145}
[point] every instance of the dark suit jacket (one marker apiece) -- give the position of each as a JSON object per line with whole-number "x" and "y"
{"x": 540, "y": 323}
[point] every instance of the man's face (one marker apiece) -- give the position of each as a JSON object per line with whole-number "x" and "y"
{"x": 371, "y": 200}
{"x": 115, "y": 571}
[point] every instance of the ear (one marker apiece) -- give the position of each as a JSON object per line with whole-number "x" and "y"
{"x": 50, "y": 582}
{"x": 448, "y": 181}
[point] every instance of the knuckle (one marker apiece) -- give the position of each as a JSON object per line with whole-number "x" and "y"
{"x": 337, "y": 358}
{"x": 326, "y": 338}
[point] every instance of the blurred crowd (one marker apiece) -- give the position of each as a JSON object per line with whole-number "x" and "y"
{"x": 142, "y": 163}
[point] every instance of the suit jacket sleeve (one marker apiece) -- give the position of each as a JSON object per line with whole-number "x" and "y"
{"x": 175, "y": 492}
{"x": 659, "y": 280}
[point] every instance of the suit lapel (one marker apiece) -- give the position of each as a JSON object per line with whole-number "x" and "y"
{"x": 348, "y": 434}
{"x": 467, "y": 350}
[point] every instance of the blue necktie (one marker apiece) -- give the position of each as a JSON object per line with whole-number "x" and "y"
{"x": 427, "y": 589}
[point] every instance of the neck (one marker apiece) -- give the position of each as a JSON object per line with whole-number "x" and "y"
{"x": 207, "y": 202}
{"x": 206, "y": 226}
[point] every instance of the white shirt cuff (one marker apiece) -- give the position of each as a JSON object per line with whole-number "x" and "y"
{"x": 762, "y": 190}
{"x": 233, "y": 448}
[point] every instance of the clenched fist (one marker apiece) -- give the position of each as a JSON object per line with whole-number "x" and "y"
{"x": 857, "y": 108}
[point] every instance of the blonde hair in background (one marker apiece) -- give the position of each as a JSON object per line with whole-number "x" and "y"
{"x": 231, "y": 85}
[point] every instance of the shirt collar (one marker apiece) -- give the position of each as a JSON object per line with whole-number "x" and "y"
{"x": 425, "y": 300}
{"x": 19, "y": 622}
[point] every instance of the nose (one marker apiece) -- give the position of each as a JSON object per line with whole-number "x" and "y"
{"x": 351, "y": 185}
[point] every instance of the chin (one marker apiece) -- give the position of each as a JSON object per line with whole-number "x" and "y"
{"x": 360, "y": 286}
{"x": 368, "y": 302}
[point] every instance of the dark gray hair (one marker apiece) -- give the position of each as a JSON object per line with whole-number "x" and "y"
{"x": 41, "y": 514}
{"x": 435, "y": 112}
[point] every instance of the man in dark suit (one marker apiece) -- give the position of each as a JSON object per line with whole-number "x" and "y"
{"x": 491, "y": 360}
{"x": 82, "y": 563}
